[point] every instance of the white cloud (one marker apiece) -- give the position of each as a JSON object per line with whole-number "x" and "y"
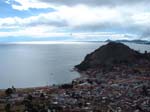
{"x": 79, "y": 16}
{"x": 37, "y": 32}
{"x": 84, "y": 15}
{"x": 142, "y": 18}
{"x": 103, "y": 35}
{"x": 27, "y": 4}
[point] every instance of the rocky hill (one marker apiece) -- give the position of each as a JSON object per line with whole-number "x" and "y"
{"x": 110, "y": 54}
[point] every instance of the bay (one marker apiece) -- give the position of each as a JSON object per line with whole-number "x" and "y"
{"x": 32, "y": 65}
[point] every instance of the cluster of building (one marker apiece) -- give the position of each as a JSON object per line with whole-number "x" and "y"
{"x": 123, "y": 89}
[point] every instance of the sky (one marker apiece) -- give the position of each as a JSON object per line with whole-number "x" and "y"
{"x": 74, "y": 20}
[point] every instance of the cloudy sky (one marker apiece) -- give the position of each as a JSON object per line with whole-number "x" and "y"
{"x": 71, "y": 20}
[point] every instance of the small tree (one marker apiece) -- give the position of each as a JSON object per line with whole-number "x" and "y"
{"x": 8, "y": 91}
{"x": 8, "y": 108}
{"x": 29, "y": 97}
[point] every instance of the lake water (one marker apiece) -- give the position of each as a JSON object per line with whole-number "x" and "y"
{"x": 31, "y": 65}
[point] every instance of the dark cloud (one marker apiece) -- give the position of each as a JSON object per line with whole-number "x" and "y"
{"x": 96, "y": 2}
{"x": 107, "y": 26}
{"x": 137, "y": 31}
{"x": 145, "y": 34}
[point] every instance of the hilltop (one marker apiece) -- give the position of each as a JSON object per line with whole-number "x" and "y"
{"x": 111, "y": 54}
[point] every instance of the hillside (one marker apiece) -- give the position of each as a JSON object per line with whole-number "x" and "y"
{"x": 110, "y": 54}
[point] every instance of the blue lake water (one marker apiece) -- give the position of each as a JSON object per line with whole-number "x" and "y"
{"x": 31, "y": 65}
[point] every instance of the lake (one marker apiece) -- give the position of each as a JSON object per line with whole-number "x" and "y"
{"x": 32, "y": 65}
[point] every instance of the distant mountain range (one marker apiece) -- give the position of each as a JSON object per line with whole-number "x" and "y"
{"x": 137, "y": 41}
{"x": 131, "y": 41}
